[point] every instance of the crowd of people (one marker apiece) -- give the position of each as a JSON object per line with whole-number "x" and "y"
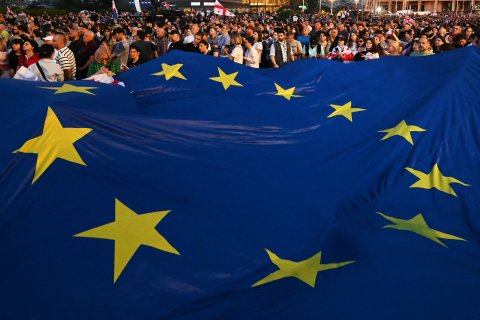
{"x": 79, "y": 45}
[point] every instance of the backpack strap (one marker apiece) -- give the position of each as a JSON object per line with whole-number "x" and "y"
{"x": 41, "y": 71}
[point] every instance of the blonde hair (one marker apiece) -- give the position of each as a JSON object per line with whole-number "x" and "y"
{"x": 237, "y": 39}
{"x": 101, "y": 51}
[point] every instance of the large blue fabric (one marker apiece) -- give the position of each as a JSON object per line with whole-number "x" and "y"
{"x": 245, "y": 170}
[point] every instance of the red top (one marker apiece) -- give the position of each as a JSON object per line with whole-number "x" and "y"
{"x": 26, "y": 62}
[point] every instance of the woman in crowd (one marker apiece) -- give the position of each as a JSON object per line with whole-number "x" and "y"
{"x": 341, "y": 52}
{"x": 257, "y": 43}
{"x": 369, "y": 53}
{"x": 102, "y": 63}
{"x": 46, "y": 69}
{"x": 251, "y": 58}
{"x": 14, "y": 56}
{"x": 203, "y": 48}
{"x": 30, "y": 48}
{"x": 438, "y": 41}
{"x": 353, "y": 43}
{"x": 324, "y": 45}
{"x": 237, "y": 52}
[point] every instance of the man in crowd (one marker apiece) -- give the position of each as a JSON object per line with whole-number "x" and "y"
{"x": 121, "y": 47}
{"x": 280, "y": 51}
{"x": 64, "y": 57}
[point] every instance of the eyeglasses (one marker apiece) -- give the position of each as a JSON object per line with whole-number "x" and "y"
{"x": 104, "y": 58}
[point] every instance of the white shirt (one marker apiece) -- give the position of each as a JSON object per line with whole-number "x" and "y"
{"x": 52, "y": 71}
{"x": 237, "y": 54}
{"x": 252, "y": 59}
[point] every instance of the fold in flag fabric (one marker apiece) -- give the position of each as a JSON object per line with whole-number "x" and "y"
{"x": 221, "y": 10}
{"x": 207, "y": 190}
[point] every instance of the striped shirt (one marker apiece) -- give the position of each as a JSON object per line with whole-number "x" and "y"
{"x": 66, "y": 60}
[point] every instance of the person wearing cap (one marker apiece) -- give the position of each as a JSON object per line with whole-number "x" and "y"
{"x": 30, "y": 48}
{"x": 175, "y": 41}
{"x": 121, "y": 47}
{"x": 46, "y": 69}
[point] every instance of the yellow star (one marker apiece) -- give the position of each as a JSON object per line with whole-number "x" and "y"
{"x": 402, "y": 130}
{"x": 287, "y": 94}
{"x": 226, "y": 80}
{"x": 129, "y": 231}
{"x": 170, "y": 71}
{"x": 419, "y": 226}
{"x": 55, "y": 142}
{"x": 305, "y": 270}
{"x": 65, "y": 88}
{"x": 346, "y": 110}
{"x": 435, "y": 179}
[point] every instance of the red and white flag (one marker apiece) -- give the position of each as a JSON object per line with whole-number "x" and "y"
{"x": 221, "y": 10}
{"x": 409, "y": 20}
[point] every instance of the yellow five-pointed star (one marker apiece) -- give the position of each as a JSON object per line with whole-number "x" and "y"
{"x": 226, "y": 80}
{"x": 55, "y": 142}
{"x": 402, "y": 130}
{"x": 346, "y": 110}
{"x": 170, "y": 71}
{"x": 286, "y": 93}
{"x": 129, "y": 231}
{"x": 435, "y": 179}
{"x": 419, "y": 226}
{"x": 305, "y": 270}
{"x": 65, "y": 88}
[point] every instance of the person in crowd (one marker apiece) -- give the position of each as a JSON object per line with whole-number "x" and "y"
{"x": 147, "y": 48}
{"x": 203, "y": 48}
{"x": 438, "y": 41}
{"x": 295, "y": 46}
{"x": 352, "y": 42}
{"x": 213, "y": 39}
{"x": 162, "y": 41}
{"x": 64, "y": 57}
{"x": 341, "y": 52}
{"x": 280, "y": 51}
{"x": 175, "y": 41}
{"x": 15, "y": 55}
{"x": 369, "y": 53}
{"x": 121, "y": 46}
{"x": 257, "y": 43}
{"x": 393, "y": 48}
{"x": 4, "y": 64}
{"x": 46, "y": 69}
{"x": 313, "y": 49}
{"x": 237, "y": 53}
{"x": 30, "y": 48}
{"x": 86, "y": 55}
{"x": 103, "y": 64}
{"x": 135, "y": 59}
{"x": 251, "y": 58}
{"x": 424, "y": 48}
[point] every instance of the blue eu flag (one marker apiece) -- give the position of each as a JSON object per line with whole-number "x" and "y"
{"x": 207, "y": 190}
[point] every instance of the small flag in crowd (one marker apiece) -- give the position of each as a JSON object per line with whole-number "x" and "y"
{"x": 114, "y": 11}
